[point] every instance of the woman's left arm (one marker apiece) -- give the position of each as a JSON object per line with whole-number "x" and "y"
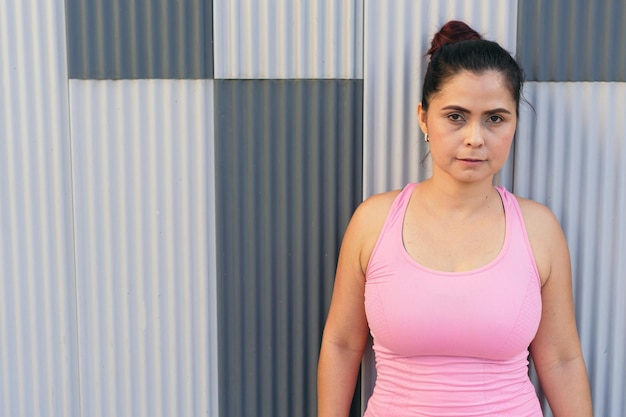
{"x": 556, "y": 350}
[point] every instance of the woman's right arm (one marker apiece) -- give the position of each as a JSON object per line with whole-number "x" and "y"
{"x": 346, "y": 330}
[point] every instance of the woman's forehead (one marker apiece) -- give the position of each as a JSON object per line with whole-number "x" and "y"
{"x": 475, "y": 89}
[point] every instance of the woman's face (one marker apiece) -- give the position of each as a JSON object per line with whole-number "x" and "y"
{"x": 470, "y": 122}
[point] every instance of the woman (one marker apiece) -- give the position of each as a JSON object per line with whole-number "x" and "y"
{"x": 457, "y": 280}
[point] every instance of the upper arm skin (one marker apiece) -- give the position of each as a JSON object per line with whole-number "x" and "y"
{"x": 556, "y": 350}
{"x": 557, "y": 336}
{"x": 346, "y": 324}
{"x": 346, "y": 330}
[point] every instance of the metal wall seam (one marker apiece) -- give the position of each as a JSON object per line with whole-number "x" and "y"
{"x": 140, "y": 152}
{"x": 396, "y": 39}
{"x": 569, "y": 155}
{"x": 38, "y": 340}
{"x": 288, "y": 39}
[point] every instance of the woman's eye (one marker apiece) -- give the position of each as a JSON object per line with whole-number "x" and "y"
{"x": 455, "y": 117}
{"x": 494, "y": 118}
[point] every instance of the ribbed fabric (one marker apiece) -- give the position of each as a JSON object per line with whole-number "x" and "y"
{"x": 452, "y": 343}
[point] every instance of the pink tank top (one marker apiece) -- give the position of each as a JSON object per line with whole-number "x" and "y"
{"x": 452, "y": 343}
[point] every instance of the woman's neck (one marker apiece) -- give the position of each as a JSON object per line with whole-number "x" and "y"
{"x": 456, "y": 198}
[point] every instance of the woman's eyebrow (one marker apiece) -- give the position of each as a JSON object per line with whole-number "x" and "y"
{"x": 499, "y": 110}
{"x": 457, "y": 108}
{"x": 464, "y": 110}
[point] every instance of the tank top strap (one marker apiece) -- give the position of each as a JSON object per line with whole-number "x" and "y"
{"x": 512, "y": 212}
{"x": 517, "y": 228}
{"x": 397, "y": 211}
{"x": 390, "y": 238}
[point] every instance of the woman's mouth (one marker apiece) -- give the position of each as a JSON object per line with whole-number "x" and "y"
{"x": 471, "y": 161}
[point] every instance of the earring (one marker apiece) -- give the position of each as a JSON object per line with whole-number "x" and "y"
{"x": 426, "y": 138}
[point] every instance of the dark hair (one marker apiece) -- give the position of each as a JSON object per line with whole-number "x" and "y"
{"x": 457, "y": 47}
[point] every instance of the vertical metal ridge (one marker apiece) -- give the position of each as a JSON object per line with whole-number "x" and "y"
{"x": 279, "y": 149}
{"x": 284, "y": 39}
{"x": 574, "y": 165}
{"x": 141, "y": 152}
{"x": 394, "y": 147}
{"x": 37, "y": 340}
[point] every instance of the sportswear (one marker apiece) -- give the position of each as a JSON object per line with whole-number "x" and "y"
{"x": 452, "y": 344}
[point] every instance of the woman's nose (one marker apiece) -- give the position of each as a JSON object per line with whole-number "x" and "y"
{"x": 474, "y": 135}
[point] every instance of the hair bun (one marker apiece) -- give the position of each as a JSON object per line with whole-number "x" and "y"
{"x": 452, "y": 32}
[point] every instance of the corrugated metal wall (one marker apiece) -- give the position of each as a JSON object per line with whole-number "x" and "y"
{"x": 139, "y": 152}
{"x": 288, "y": 159}
{"x": 569, "y": 155}
{"x": 288, "y": 147}
{"x": 38, "y": 336}
{"x": 211, "y": 255}
{"x": 283, "y": 39}
{"x": 156, "y": 225}
{"x": 573, "y": 40}
{"x": 117, "y": 39}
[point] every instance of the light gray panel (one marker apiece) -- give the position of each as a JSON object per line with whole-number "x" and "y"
{"x": 38, "y": 340}
{"x": 573, "y": 40}
{"x": 570, "y": 155}
{"x": 120, "y": 39}
{"x": 144, "y": 193}
{"x": 288, "y": 39}
{"x": 288, "y": 159}
{"x": 397, "y": 36}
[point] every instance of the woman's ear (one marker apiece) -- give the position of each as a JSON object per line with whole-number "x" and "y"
{"x": 421, "y": 118}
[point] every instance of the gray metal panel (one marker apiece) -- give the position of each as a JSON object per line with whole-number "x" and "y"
{"x": 38, "y": 339}
{"x": 118, "y": 39}
{"x": 572, "y": 40}
{"x": 145, "y": 256}
{"x": 570, "y": 155}
{"x": 289, "y": 39}
{"x": 288, "y": 159}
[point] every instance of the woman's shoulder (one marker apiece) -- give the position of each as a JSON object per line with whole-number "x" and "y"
{"x": 372, "y": 212}
{"x": 544, "y": 233}
{"x": 537, "y": 215}
{"x": 368, "y": 221}
{"x": 378, "y": 203}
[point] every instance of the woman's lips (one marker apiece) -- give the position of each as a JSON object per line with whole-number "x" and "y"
{"x": 471, "y": 161}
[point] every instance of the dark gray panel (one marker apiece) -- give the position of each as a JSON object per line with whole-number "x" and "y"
{"x": 289, "y": 175}
{"x": 572, "y": 40}
{"x": 119, "y": 39}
